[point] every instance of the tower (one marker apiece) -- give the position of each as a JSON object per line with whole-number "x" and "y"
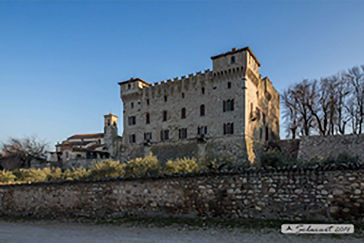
{"x": 111, "y": 134}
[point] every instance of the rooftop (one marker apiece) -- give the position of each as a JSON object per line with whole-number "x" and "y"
{"x": 133, "y": 80}
{"x": 90, "y": 135}
{"x": 234, "y": 50}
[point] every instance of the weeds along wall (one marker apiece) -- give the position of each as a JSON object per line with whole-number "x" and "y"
{"x": 331, "y": 196}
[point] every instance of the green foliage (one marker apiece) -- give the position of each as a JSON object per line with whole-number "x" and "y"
{"x": 184, "y": 165}
{"x": 342, "y": 158}
{"x": 274, "y": 158}
{"x": 6, "y": 176}
{"x": 103, "y": 169}
{"x": 30, "y": 175}
{"x": 148, "y": 165}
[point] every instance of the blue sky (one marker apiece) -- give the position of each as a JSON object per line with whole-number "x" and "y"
{"x": 60, "y": 61}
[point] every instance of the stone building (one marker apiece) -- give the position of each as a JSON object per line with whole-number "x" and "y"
{"x": 217, "y": 113}
{"x": 91, "y": 146}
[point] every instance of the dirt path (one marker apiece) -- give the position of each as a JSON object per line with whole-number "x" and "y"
{"x": 49, "y": 232}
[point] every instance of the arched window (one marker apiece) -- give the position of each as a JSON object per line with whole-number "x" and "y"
{"x": 202, "y": 110}
{"x": 164, "y": 115}
{"x": 203, "y": 90}
{"x": 183, "y": 113}
{"x": 147, "y": 118}
{"x": 114, "y": 123}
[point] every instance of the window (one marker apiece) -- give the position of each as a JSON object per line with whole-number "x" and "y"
{"x": 229, "y": 128}
{"x": 202, "y": 110}
{"x": 129, "y": 86}
{"x": 182, "y": 133}
{"x": 114, "y": 123}
{"x": 228, "y": 105}
{"x": 266, "y": 133}
{"x": 108, "y": 122}
{"x": 132, "y": 104}
{"x": 202, "y": 130}
{"x": 164, "y": 135}
{"x": 203, "y": 90}
{"x": 164, "y": 115}
{"x": 165, "y": 98}
{"x": 263, "y": 118}
{"x": 183, "y": 113}
{"x": 132, "y": 120}
{"x": 260, "y": 134}
{"x": 147, "y": 118}
{"x": 229, "y": 85}
{"x": 147, "y": 136}
{"x": 132, "y": 138}
{"x": 183, "y": 95}
{"x": 147, "y": 101}
{"x": 251, "y": 110}
{"x": 232, "y": 60}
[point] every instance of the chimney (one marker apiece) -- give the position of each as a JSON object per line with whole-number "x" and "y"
{"x": 234, "y": 49}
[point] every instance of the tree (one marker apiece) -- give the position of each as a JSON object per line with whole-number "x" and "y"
{"x": 18, "y": 153}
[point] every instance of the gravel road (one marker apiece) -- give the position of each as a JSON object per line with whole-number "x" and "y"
{"x": 51, "y": 231}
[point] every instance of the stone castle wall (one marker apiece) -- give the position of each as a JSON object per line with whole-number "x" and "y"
{"x": 330, "y": 196}
{"x": 311, "y": 147}
{"x": 331, "y": 146}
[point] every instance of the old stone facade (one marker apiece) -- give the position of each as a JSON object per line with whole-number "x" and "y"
{"x": 321, "y": 147}
{"x": 330, "y": 196}
{"x": 220, "y": 112}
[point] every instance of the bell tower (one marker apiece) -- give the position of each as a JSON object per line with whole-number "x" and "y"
{"x": 111, "y": 134}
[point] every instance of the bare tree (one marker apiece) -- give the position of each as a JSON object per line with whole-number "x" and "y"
{"x": 20, "y": 152}
{"x": 355, "y": 107}
{"x": 290, "y": 114}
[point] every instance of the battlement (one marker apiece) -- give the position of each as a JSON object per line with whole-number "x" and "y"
{"x": 206, "y": 74}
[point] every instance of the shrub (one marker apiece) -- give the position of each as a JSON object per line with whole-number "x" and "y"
{"x": 142, "y": 167}
{"x": 103, "y": 169}
{"x": 342, "y": 158}
{"x": 273, "y": 157}
{"x": 6, "y": 176}
{"x": 184, "y": 165}
{"x": 30, "y": 175}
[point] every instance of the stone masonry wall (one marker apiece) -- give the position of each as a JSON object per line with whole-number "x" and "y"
{"x": 331, "y": 196}
{"x": 319, "y": 146}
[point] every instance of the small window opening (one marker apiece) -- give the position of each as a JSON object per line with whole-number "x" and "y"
{"x": 129, "y": 86}
{"x": 183, "y": 95}
{"x": 165, "y": 98}
{"x": 232, "y": 60}
{"x": 202, "y": 110}
{"x": 203, "y": 90}
{"x": 164, "y": 115}
{"x": 132, "y": 104}
{"x": 229, "y": 85}
{"x": 147, "y": 118}
{"x": 147, "y": 101}
{"x": 183, "y": 113}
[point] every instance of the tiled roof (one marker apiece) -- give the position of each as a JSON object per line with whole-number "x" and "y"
{"x": 91, "y": 135}
{"x": 80, "y": 143}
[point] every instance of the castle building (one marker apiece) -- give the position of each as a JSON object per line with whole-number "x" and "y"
{"x": 91, "y": 146}
{"x": 221, "y": 112}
